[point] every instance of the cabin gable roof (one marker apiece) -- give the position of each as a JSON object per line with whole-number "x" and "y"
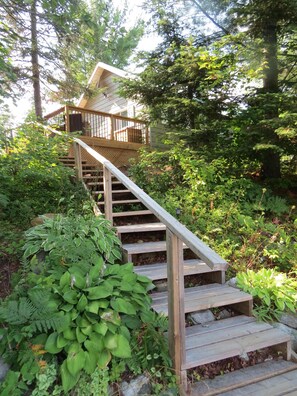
{"x": 96, "y": 75}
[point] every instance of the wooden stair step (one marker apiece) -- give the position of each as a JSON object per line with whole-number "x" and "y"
{"x": 132, "y": 213}
{"x": 114, "y": 182}
{"x": 241, "y": 379}
{"x": 113, "y": 192}
{"x": 191, "y": 267}
{"x": 280, "y": 385}
{"x": 145, "y": 247}
{"x": 148, "y": 227}
{"x": 203, "y": 297}
{"x": 207, "y": 344}
{"x": 121, "y": 202}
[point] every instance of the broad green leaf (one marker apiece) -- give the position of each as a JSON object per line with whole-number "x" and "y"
{"x": 82, "y": 303}
{"x": 51, "y": 344}
{"x": 69, "y": 334}
{"x": 110, "y": 341}
{"x": 75, "y": 362}
{"x": 100, "y": 328}
{"x": 81, "y": 337}
{"x": 121, "y": 305}
{"x": 104, "y": 359}
{"x": 91, "y": 361}
{"x": 122, "y": 349}
{"x": 93, "y": 307}
{"x": 87, "y": 330}
{"x": 70, "y": 296}
{"x": 99, "y": 292}
{"x": 68, "y": 380}
{"x": 61, "y": 341}
{"x": 132, "y": 322}
{"x": 65, "y": 279}
{"x": 94, "y": 345}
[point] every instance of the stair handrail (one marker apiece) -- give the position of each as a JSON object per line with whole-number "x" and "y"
{"x": 194, "y": 243}
{"x": 176, "y": 235}
{"x": 210, "y": 257}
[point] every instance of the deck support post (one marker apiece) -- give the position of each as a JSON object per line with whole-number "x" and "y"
{"x": 107, "y": 187}
{"x": 176, "y": 309}
{"x": 78, "y": 161}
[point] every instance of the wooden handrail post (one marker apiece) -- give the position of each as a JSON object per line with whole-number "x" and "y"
{"x": 176, "y": 309}
{"x": 78, "y": 161}
{"x": 67, "y": 119}
{"x": 107, "y": 187}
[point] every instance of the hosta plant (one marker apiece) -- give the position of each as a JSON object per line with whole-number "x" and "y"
{"x": 74, "y": 304}
{"x": 274, "y": 292}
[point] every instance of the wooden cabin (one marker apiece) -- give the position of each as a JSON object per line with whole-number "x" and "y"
{"x": 107, "y": 122}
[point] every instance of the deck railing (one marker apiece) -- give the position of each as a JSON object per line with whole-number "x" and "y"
{"x": 99, "y": 124}
{"x": 176, "y": 235}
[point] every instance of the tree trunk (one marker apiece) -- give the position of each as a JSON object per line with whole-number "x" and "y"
{"x": 271, "y": 158}
{"x": 35, "y": 62}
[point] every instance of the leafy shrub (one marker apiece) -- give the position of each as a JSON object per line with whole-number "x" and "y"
{"x": 33, "y": 181}
{"x": 244, "y": 222}
{"x": 78, "y": 306}
{"x": 274, "y": 292}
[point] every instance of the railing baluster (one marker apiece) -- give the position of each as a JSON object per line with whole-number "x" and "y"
{"x": 78, "y": 161}
{"x": 67, "y": 119}
{"x": 112, "y": 127}
{"x": 107, "y": 187}
{"x": 176, "y": 310}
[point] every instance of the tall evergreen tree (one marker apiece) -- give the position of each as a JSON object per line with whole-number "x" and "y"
{"x": 58, "y": 43}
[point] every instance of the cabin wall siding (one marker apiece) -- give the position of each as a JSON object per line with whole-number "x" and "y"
{"x": 109, "y": 100}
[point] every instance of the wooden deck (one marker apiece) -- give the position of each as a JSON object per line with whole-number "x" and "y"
{"x": 115, "y": 137}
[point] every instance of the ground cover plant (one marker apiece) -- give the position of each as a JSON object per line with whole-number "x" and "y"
{"x": 76, "y": 310}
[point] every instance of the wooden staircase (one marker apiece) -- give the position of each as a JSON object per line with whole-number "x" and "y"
{"x": 156, "y": 245}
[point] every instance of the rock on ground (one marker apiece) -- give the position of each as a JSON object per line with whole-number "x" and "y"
{"x": 139, "y": 386}
{"x": 289, "y": 319}
{"x": 3, "y": 369}
{"x": 202, "y": 317}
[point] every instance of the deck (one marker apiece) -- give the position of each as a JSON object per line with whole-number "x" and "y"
{"x": 115, "y": 137}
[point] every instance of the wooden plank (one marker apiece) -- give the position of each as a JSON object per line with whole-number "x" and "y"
{"x": 202, "y": 297}
{"x": 113, "y": 192}
{"x": 146, "y": 247}
{"x": 229, "y": 348}
{"x": 193, "y": 242}
{"x": 240, "y": 378}
{"x": 107, "y": 195}
{"x": 191, "y": 267}
{"x": 176, "y": 314}
{"x": 227, "y": 334}
{"x": 218, "y": 325}
{"x": 132, "y": 213}
{"x": 278, "y": 385}
{"x": 147, "y": 227}
{"x": 122, "y": 202}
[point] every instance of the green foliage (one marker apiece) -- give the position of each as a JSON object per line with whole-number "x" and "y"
{"x": 245, "y": 223}
{"x": 77, "y": 306}
{"x": 150, "y": 353}
{"x": 33, "y": 181}
{"x": 274, "y": 292}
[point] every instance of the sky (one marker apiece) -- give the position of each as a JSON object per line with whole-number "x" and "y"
{"x": 25, "y": 104}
